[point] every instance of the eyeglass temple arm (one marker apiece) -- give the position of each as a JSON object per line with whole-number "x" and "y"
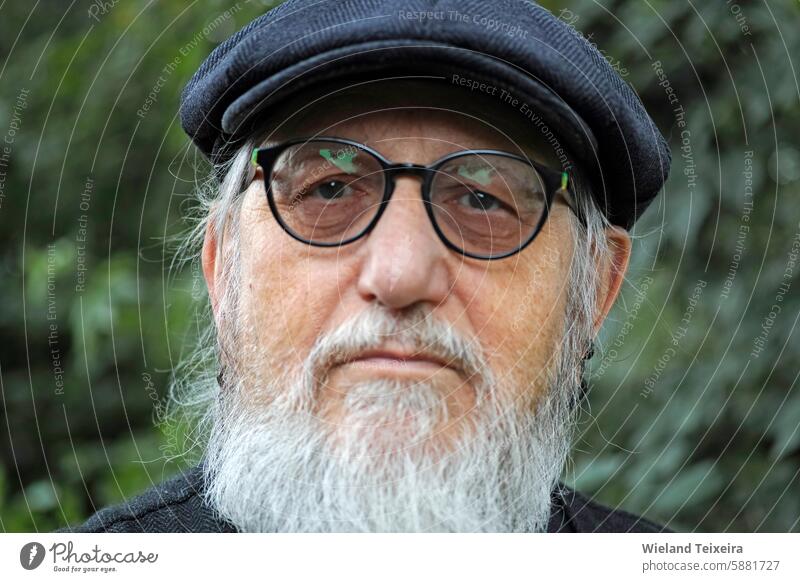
{"x": 567, "y": 196}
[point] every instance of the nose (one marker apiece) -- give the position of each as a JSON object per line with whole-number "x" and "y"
{"x": 405, "y": 261}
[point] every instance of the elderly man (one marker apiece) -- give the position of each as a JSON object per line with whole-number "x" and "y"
{"x": 419, "y": 226}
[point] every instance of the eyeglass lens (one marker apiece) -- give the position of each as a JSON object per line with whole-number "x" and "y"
{"x": 330, "y": 192}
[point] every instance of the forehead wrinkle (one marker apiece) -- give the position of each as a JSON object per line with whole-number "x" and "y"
{"x": 412, "y": 135}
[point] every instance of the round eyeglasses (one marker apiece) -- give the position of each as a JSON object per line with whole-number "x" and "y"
{"x": 485, "y": 204}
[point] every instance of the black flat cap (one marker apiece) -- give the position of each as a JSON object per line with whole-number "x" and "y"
{"x": 561, "y": 83}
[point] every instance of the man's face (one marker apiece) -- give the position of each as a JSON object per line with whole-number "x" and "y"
{"x": 374, "y": 373}
{"x": 513, "y": 309}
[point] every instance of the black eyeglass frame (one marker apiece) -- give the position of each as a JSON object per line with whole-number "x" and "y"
{"x": 555, "y": 182}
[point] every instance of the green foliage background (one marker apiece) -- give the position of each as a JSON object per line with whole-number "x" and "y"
{"x": 707, "y": 440}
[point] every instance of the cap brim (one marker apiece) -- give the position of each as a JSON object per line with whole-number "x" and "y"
{"x": 546, "y": 111}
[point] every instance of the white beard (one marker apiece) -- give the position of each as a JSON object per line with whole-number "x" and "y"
{"x": 280, "y": 467}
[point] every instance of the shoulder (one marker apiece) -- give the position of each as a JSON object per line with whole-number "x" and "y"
{"x": 575, "y": 512}
{"x": 176, "y": 505}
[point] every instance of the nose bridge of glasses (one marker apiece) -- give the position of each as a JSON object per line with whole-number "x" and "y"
{"x": 402, "y": 217}
{"x": 407, "y": 169}
{"x": 395, "y": 170}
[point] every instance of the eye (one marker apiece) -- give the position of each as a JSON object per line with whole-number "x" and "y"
{"x": 331, "y": 190}
{"x": 480, "y": 201}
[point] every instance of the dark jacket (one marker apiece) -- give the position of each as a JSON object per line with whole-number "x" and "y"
{"x": 177, "y": 506}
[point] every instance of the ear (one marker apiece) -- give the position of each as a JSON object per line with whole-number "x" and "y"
{"x": 612, "y": 272}
{"x": 209, "y": 261}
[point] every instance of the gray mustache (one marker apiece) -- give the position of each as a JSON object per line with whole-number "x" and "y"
{"x": 416, "y": 329}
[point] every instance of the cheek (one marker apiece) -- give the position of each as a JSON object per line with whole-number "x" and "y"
{"x": 267, "y": 290}
{"x": 522, "y": 316}
{"x": 287, "y": 295}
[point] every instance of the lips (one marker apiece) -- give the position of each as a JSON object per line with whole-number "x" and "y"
{"x": 398, "y": 357}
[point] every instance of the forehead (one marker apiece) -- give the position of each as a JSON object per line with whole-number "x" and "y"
{"x": 391, "y": 114}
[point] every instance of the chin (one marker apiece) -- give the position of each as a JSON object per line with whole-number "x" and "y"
{"x": 393, "y": 417}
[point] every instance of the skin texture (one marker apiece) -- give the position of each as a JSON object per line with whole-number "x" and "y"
{"x": 514, "y": 307}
